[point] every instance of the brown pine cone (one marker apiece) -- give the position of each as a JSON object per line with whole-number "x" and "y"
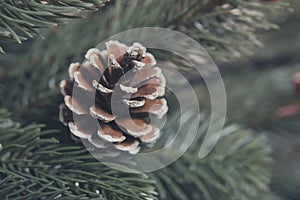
{"x": 127, "y": 88}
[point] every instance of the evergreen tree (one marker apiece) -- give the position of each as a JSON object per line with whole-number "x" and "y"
{"x": 39, "y": 160}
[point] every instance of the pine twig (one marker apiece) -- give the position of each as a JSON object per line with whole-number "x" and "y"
{"x": 33, "y": 165}
{"x": 20, "y": 20}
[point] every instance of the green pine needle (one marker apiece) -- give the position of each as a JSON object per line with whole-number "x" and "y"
{"x": 20, "y": 20}
{"x": 35, "y": 166}
{"x": 237, "y": 168}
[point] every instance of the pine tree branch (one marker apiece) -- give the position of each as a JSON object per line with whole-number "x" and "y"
{"x": 31, "y": 70}
{"x": 225, "y": 24}
{"x": 237, "y": 168}
{"x": 20, "y": 20}
{"x": 33, "y": 165}
{"x": 46, "y": 61}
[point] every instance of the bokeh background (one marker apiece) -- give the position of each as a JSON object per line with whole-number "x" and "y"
{"x": 267, "y": 81}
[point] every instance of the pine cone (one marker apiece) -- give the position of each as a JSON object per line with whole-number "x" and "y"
{"x": 120, "y": 78}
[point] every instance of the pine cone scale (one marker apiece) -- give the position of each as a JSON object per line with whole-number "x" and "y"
{"x": 109, "y": 134}
{"x": 101, "y": 114}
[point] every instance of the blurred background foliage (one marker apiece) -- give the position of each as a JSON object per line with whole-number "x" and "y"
{"x": 264, "y": 85}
